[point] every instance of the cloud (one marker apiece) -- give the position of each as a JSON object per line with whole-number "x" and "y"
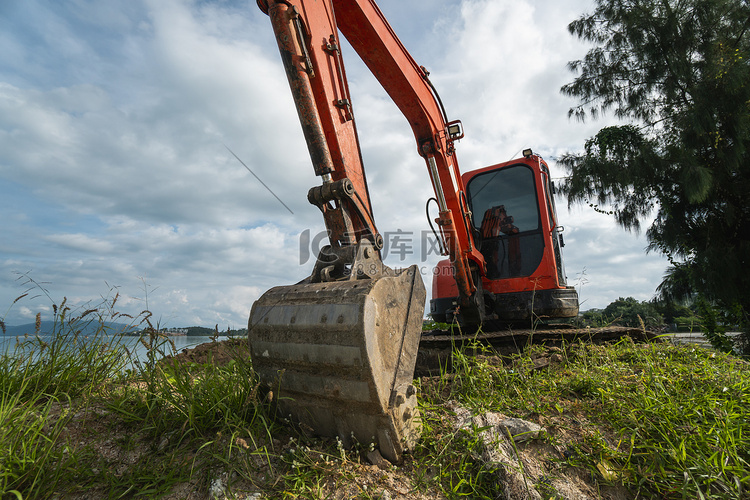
{"x": 81, "y": 242}
{"x": 114, "y": 119}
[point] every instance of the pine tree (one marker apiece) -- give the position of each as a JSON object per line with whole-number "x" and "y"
{"x": 677, "y": 72}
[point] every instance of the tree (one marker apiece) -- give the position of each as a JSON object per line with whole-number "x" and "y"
{"x": 677, "y": 314}
{"x": 630, "y": 312}
{"x": 624, "y": 312}
{"x": 678, "y": 73}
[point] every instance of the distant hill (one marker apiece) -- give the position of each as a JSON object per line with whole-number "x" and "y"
{"x": 48, "y": 327}
{"x": 200, "y": 331}
{"x": 89, "y": 328}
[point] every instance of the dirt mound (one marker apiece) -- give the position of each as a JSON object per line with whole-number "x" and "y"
{"x": 218, "y": 353}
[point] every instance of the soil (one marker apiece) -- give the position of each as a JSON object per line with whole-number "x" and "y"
{"x": 219, "y": 353}
{"x": 121, "y": 449}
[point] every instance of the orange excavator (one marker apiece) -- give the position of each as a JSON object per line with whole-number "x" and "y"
{"x": 339, "y": 348}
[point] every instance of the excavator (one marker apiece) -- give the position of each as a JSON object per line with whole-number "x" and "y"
{"x": 338, "y": 349}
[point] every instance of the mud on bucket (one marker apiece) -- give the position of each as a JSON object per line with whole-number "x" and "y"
{"x": 340, "y": 356}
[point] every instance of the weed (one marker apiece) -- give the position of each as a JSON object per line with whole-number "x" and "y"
{"x": 664, "y": 419}
{"x": 39, "y": 380}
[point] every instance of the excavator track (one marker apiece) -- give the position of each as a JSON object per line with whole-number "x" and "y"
{"x": 436, "y": 346}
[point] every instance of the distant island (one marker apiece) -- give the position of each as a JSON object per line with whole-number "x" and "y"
{"x": 196, "y": 331}
{"x": 92, "y": 327}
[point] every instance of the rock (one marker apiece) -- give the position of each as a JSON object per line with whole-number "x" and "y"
{"x": 463, "y": 416}
{"x": 497, "y": 452}
{"x": 520, "y": 430}
{"x": 377, "y": 459}
{"x": 217, "y": 489}
{"x": 520, "y": 471}
{"x": 540, "y": 363}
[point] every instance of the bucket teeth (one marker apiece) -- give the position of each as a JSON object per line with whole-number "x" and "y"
{"x": 341, "y": 356}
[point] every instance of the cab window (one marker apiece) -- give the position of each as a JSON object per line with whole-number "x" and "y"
{"x": 506, "y": 220}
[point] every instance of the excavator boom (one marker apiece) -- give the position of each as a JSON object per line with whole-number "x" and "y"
{"x": 307, "y": 35}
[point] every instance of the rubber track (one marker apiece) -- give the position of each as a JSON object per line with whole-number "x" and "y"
{"x": 436, "y": 346}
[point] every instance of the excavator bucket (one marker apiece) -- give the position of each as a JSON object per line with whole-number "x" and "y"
{"x": 340, "y": 355}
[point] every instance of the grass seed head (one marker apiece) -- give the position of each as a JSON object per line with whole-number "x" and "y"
{"x": 20, "y": 297}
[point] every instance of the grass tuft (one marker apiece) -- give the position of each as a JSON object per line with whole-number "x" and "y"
{"x": 40, "y": 377}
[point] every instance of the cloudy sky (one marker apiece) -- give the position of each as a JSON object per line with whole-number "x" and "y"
{"x": 115, "y": 119}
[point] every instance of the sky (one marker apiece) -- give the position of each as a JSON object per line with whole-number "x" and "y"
{"x": 116, "y": 125}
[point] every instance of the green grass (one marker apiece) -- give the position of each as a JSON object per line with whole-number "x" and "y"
{"x": 39, "y": 381}
{"x": 677, "y": 418}
{"x": 28, "y": 455}
{"x": 661, "y": 421}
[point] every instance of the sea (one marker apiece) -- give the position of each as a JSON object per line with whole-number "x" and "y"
{"x": 138, "y": 352}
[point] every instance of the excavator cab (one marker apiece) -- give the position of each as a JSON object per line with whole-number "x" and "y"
{"x": 514, "y": 225}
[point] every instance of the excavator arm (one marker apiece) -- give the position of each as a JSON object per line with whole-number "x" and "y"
{"x": 408, "y": 85}
{"x": 308, "y": 39}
